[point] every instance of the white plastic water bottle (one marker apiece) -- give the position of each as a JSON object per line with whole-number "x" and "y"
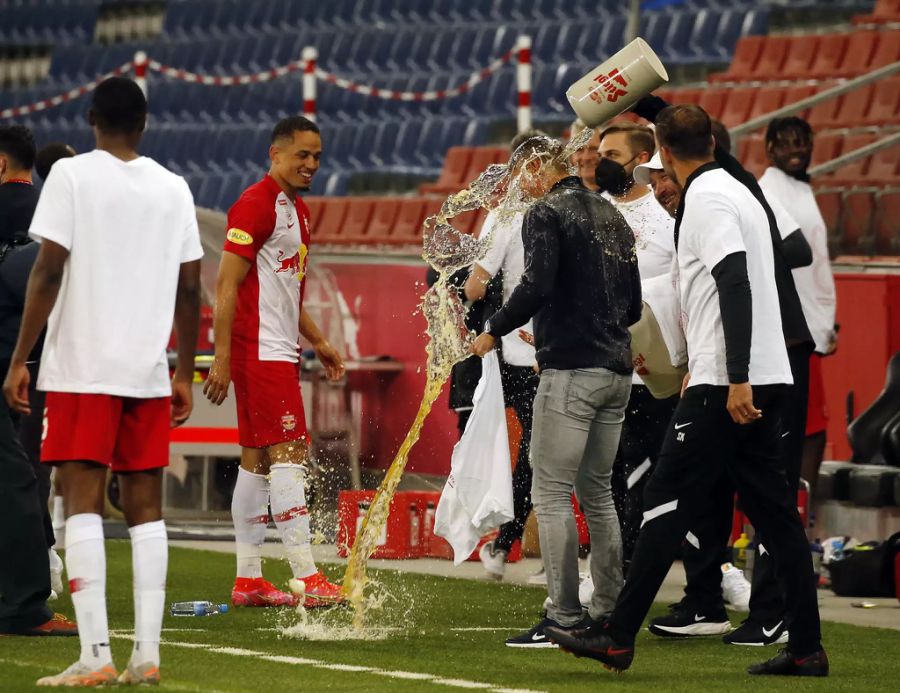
{"x": 197, "y": 609}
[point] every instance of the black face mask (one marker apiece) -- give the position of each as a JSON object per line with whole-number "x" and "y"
{"x": 612, "y": 177}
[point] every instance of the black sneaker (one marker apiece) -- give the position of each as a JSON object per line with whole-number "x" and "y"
{"x": 685, "y": 622}
{"x": 537, "y": 637}
{"x": 596, "y": 642}
{"x": 785, "y": 664}
{"x": 754, "y": 634}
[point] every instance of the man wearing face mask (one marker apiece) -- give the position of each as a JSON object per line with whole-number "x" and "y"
{"x": 585, "y": 159}
{"x": 622, "y": 148}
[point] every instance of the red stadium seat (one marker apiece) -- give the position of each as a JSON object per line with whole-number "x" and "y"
{"x": 482, "y": 157}
{"x": 384, "y": 218}
{"x": 753, "y": 154}
{"x": 331, "y": 220}
{"x": 314, "y": 204}
{"x": 743, "y": 64}
{"x": 796, "y": 94}
{"x": 800, "y": 56}
{"x": 884, "y": 108}
{"x": 824, "y": 116}
{"x": 854, "y": 173}
{"x": 830, "y": 203}
{"x": 857, "y": 222}
{"x": 712, "y": 101}
{"x": 854, "y": 106}
{"x": 887, "y": 223}
{"x": 887, "y": 51}
{"x": 832, "y": 49}
{"x": 767, "y": 99}
{"x": 479, "y": 222}
{"x": 884, "y": 167}
{"x": 408, "y": 226}
{"x": 684, "y": 96}
{"x": 465, "y": 222}
{"x": 826, "y": 147}
{"x": 860, "y": 46}
{"x": 737, "y": 106}
{"x": 884, "y": 12}
{"x": 356, "y": 223}
{"x": 453, "y": 173}
{"x": 774, "y": 54}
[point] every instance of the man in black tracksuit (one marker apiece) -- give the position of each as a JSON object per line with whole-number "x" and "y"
{"x": 728, "y": 427}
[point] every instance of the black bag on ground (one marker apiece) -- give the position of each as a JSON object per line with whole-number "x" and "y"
{"x": 866, "y": 571}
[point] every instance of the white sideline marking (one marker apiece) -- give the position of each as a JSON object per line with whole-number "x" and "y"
{"x": 486, "y": 630}
{"x": 301, "y": 661}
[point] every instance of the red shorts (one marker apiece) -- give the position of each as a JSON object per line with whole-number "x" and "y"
{"x": 269, "y": 405}
{"x": 816, "y": 412}
{"x": 124, "y": 433}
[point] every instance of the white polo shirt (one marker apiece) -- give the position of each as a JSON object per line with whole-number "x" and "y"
{"x": 722, "y": 217}
{"x": 128, "y": 227}
{"x": 815, "y": 283}
{"x": 508, "y": 253}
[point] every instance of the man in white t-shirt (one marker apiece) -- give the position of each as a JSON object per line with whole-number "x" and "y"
{"x": 789, "y": 143}
{"x": 622, "y": 148}
{"x": 120, "y": 255}
{"x": 727, "y": 426}
{"x": 517, "y": 367}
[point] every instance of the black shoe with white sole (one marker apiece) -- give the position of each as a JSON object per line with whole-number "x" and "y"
{"x": 685, "y": 622}
{"x": 755, "y": 634}
{"x": 536, "y": 637}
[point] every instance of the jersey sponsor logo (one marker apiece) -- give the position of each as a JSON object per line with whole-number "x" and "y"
{"x": 295, "y": 264}
{"x": 289, "y": 422}
{"x": 239, "y": 237}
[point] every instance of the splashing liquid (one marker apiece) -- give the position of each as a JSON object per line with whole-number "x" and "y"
{"x": 447, "y": 251}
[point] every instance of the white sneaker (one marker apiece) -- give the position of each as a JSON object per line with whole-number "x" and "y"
{"x": 56, "y": 571}
{"x": 735, "y": 588}
{"x": 586, "y": 591}
{"x": 493, "y": 560}
{"x": 539, "y": 578}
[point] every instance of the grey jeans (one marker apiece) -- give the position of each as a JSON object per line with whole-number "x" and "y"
{"x": 578, "y": 416}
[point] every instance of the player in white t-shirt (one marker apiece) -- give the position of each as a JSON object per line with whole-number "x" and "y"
{"x": 119, "y": 257}
{"x": 727, "y": 427}
{"x": 517, "y": 367}
{"x": 789, "y": 144}
{"x": 622, "y": 148}
{"x": 259, "y": 320}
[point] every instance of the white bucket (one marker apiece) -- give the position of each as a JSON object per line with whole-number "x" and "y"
{"x": 617, "y": 84}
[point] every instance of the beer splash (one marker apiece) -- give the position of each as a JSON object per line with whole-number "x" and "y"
{"x": 447, "y": 250}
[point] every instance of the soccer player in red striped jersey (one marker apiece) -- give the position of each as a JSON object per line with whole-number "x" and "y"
{"x": 258, "y": 323}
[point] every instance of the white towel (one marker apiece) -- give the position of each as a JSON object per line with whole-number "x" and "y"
{"x": 478, "y": 495}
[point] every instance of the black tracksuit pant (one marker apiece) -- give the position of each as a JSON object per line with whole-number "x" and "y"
{"x": 24, "y": 563}
{"x": 703, "y": 450}
{"x": 703, "y": 591}
{"x": 519, "y": 388}
{"x": 643, "y": 431}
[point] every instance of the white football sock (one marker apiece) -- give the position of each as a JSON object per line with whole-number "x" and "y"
{"x": 86, "y": 565}
{"x": 250, "y": 514}
{"x": 149, "y": 561}
{"x": 292, "y": 517}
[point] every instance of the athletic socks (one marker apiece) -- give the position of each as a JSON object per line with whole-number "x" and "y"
{"x": 250, "y": 514}
{"x": 149, "y": 560}
{"x": 288, "y": 497}
{"x": 86, "y": 565}
{"x": 59, "y": 521}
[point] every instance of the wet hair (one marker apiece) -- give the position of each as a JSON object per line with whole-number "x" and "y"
{"x": 17, "y": 142}
{"x": 288, "y": 126}
{"x": 793, "y": 125}
{"x": 640, "y": 138}
{"x": 118, "y": 107}
{"x": 523, "y": 137}
{"x": 543, "y": 147}
{"x": 720, "y": 132}
{"x": 686, "y": 131}
{"x": 49, "y": 155}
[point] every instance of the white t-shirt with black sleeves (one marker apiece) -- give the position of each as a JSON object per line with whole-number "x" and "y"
{"x": 128, "y": 227}
{"x": 722, "y": 217}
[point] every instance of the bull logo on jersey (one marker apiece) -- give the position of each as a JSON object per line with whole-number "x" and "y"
{"x": 295, "y": 264}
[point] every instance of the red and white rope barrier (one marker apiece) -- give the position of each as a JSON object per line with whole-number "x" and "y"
{"x": 311, "y": 72}
{"x": 437, "y": 95}
{"x": 70, "y": 95}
